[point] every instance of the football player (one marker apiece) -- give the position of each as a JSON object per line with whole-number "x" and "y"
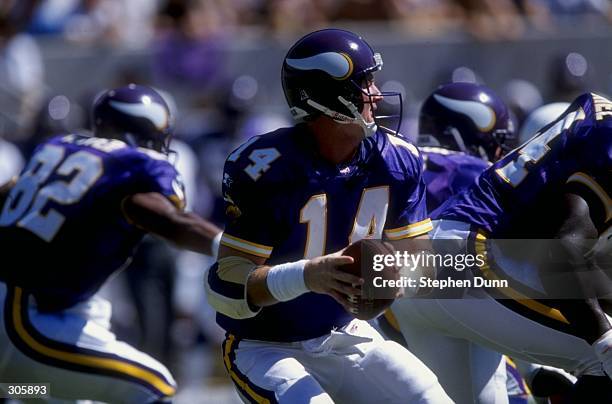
{"x": 73, "y": 219}
{"x": 557, "y": 185}
{"x": 295, "y": 198}
{"x": 463, "y": 128}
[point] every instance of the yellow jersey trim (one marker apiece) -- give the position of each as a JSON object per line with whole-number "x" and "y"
{"x": 246, "y": 246}
{"x": 411, "y": 230}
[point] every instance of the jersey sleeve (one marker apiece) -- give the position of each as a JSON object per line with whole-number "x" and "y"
{"x": 156, "y": 174}
{"x": 249, "y": 211}
{"x": 407, "y": 216}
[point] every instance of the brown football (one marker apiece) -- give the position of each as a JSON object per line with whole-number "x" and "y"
{"x": 373, "y": 301}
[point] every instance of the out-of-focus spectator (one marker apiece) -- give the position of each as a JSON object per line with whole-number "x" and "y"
{"x": 427, "y": 17}
{"x": 189, "y": 49}
{"x": 296, "y": 16}
{"x": 121, "y": 23}
{"x": 573, "y": 7}
{"x": 492, "y": 19}
{"x": 536, "y": 13}
{"x": 131, "y": 23}
{"x": 362, "y": 10}
{"x": 21, "y": 78}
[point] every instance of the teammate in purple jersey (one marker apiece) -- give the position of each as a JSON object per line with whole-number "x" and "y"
{"x": 571, "y": 154}
{"x": 463, "y": 128}
{"x": 293, "y": 196}
{"x": 71, "y": 220}
{"x": 557, "y": 185}
{"x": 457, "y": 145}
{"x": 448, "y": 172}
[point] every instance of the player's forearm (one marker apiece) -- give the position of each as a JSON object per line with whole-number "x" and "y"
{"x": 573, "y": 275}
{"x": 188, "y": 231}
{"x": 268, "y": 285}
{"x": 263, "y": 285}
{"x": 284, "y": 282}
{"x": 258, "y": 293}
{"x": 154, "y": 213}
{"x": 236, "y": 270}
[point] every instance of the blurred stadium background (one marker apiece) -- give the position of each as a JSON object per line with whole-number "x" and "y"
{"x": 219, "y": 62}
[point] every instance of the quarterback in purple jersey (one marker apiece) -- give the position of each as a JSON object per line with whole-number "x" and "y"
{"x": 557, "y": 185}
{"x": 295, "y": 198}
{"x": 71, "y": 220}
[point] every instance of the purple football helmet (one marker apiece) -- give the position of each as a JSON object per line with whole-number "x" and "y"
{"x": 467, "y": 117}
{"x": 136, "y": 114}
{"x": 326, "y": 72}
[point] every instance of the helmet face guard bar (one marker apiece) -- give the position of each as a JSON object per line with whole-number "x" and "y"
{"x": 384, "y": 94}
{"x": 500, "y": 138}
{"x": 506, "y": 140}
{"x": 159, "y": 145}
{"x": 397, "y": 117}
{"x": 392, "y": 117}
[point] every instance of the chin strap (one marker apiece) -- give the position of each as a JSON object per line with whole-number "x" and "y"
{"x": 369, "y": 129}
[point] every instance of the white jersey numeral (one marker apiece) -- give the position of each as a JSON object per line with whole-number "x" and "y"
{"x": 38, "y": 170}
{"x": 371, "y": 214}
{"x": 535, "y": 149}
{"x": 27, "y": 200}
{"x": 261, "y": 159}
{"x": 369, "y": 220}
{"x": 235, "y": 155}
{"x": 314, "y": 214}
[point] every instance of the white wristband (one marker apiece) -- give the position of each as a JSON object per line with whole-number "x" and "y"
{"x": 286, "y": 281}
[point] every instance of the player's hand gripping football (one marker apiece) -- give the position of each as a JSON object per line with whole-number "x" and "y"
{"x": 321, "y": 275}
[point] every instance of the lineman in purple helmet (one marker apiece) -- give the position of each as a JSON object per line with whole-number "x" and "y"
{"x": 70, "y": 221}
{"x": 463, "y": 128}
{"x": 555, "y": 187}
{"x": 295, "y": 198}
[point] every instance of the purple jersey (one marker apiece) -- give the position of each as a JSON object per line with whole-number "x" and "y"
{"x": 284, "y": 203}
{"x": 62, "y": 229}
{"x": 448, "y": 172}
{"x": 517, "y": 195}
